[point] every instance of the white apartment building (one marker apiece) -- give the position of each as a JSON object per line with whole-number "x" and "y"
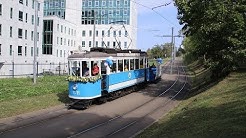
{"x": 17, "y": 19}
{"x": 63, "y": 26}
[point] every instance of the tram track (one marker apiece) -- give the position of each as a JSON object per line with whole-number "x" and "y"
{"x": 104, "y": 124}
{"x": 97, "y": 124}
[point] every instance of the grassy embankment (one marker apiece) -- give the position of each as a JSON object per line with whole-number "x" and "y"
{"x": 20, "y": 95}
{"x": 212, "y": 110}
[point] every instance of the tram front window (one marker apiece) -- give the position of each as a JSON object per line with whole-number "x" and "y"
{"x": 75, "y": 66}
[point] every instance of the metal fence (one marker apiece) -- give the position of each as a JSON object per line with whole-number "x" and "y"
{"x": 8, "y": 70}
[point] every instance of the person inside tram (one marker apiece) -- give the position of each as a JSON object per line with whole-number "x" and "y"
{"x": 85, "y": 69}
{"x": 125, "y": 68}
{"x": 95, "y": 69}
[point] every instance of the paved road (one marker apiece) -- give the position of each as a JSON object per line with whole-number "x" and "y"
{"x": 94, "y": 122}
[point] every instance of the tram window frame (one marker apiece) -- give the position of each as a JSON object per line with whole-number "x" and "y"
{"x": 132, "y": 65}
{"x": 103, "y": 67}
{"x": 126, "y": 64}
{"x": 137, "y": 63}
{"x": 120, "y": 65}
{"x": 141, "y": 63}
{"x": 114, "y": 66}
{"x": 75, "y": 69}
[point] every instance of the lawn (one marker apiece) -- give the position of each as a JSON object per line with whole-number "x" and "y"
{"x": 217, "y": 110}
{"x": 20, "y": 95}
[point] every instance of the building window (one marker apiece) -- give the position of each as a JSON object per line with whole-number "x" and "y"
{"x": 96, "y": 43}
{"x": 32, "y": 35}
{"x": 114, "y": 44}
{"x": 90, "y": 33}
{"x": 117, "y": 12}
{"x": 32, "y": 19}
{"x": 60, "y": 53}
{"x": 119, "y": 33}
{"x": 11, "y": 13}
{"x": 103, "y": 33}
{"x": 38, "y": 6}
{"x": 0, "y": 9}
{"x": 20, "y": 16}
{"x": 125, "y": 2}
{"x": 110, "y": 3}
{"x": 61, "y": 28}
{"x": 0, "y": 29}
{"x": 96, "y": 3}
{"x": 10, "y": 31}
{"x": 33, "y": 4}
{"x": 89, "y": 43}
{"x": 125, "y": 45}
{"x": 125, "y": 12}
{"x": 0, "y": 49}
{"x": 19, "y": 50}
{"x": 83, "y": 43}
{"x": 117, "y": 2}
{"x": 102, "y": 43}
{"x": 26, "y": 2}
{"x": 114, "y": 33}
{"x": 103, "y": 3}
{"x": 89, "y": 3}
{"x": 26, "y": 17}
{"x": 83, "y": 33}
{"x": 25, "y": 50}
{"x": 108, "y": 33}
{"x": 57, "y": 27}
{"x": 21, "y": 1}
{"x": 61, "y": 41}
{"x": 38, "y": 22}
{"x": 126, "y": 33}
{"x": 96, "y": 33}
{"x": 32, "y": 51}
{"x": 10, "y": 50}
{"x": 37, "y": 36}
{"x": 19, "y": 33}
{"x": 108, "y": 44}
{"x": 25, "y": 34}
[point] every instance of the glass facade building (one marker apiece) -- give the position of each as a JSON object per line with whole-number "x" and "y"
{"x": 55, "y": 7}
{"x": 105, "y": 12}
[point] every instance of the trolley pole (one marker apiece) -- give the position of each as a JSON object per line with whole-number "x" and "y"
{"x": 171, "y": 71}
{"x": 35, "y": 42}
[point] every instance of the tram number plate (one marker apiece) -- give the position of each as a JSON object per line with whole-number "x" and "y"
{"x": 76, "y": 92}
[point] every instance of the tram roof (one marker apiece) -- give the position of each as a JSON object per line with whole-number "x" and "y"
{"x": 106, "y": 52}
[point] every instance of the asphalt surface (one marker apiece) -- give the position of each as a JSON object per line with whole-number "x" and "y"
{"x": 123, "y": 117}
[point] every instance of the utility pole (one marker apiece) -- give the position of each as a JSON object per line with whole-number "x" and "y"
{"x": 171, "y": 72}
{"x": 94, "y": 27}
{"x": 35, "y": 42}
{"x": 172, "y": 47}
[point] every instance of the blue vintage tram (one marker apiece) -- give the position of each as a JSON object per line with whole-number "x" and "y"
{"x": 118, "y": 69}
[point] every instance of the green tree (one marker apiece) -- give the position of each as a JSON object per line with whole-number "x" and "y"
{"x": 216, "y": 31}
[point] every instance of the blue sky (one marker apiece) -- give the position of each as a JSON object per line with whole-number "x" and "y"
{"x": 150, "y": 24}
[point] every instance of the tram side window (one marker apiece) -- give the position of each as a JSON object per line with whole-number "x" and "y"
{"x": 95, "y": 68}
{"x": 126, "y": 64}
{"x": 120, "y": 65}
{"x": 141, "y": 64}
{"x": 131, "y": 64}
{"x": 113, "y": 68}
{"x": 136, "y": 63}
{"x": 103, "y": 68}
{"x": 85, "y": 69}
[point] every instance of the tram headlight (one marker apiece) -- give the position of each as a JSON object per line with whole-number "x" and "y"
{"x": 75, "y": 87}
